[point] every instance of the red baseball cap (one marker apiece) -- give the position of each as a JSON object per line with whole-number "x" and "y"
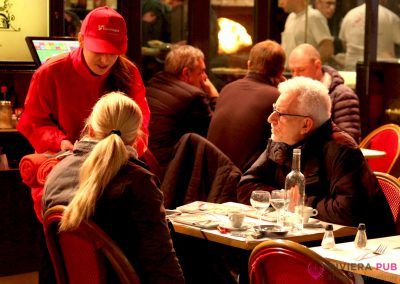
{"x": 104, "y": 31}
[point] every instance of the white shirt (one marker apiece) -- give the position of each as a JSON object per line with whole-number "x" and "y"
{"x": 294, "y": 33}
{"x": 352, "y": 34}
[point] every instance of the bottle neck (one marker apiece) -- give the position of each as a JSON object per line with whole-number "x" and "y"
{"x": 296, "y": 162}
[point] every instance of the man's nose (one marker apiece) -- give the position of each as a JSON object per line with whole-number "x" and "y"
{"x": 273, "y": 117}
{"x": 105, "y": 58}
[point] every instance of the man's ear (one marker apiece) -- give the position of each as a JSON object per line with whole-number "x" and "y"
{"x": 91, "y": 131}
{"x": 318, "y": 64}
{"x": 185, "y": 74}
{"x": 80, "y": 39}
{"x": 307, "y": 126}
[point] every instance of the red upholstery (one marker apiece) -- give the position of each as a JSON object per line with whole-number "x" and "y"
{"x": 282, "y": 261}
{"x": 385, "y": 138}
{"x": 391, "y": 188}
{"x": 79, "y": 256}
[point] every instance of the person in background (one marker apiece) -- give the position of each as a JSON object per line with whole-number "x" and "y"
{"x": 326, "y": 7}
{"x": 306, "y": 61}
{"x": 181, "y": 100}
{"x": 318, "y": 33}
{"x": 339, "y": 182}
{"x": 352, "y": 32}
{"x": 238, "y": 125}
{"x": 103, "y": 180}
{"x": 72, "y": 23}
{"x": 63, "y": 91}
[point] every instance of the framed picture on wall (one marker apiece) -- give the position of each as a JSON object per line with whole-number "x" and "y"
{"x": 19, "y": 19}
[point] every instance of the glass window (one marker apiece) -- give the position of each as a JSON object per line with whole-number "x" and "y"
{"x": 231, "y": 39}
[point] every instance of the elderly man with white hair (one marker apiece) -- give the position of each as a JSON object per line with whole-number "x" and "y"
{"x": 339, "y": 182}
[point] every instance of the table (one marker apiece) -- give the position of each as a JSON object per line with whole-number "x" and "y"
{"x": 249, "y": 243}
{"x": 384, "y": 267}
{"x": 370, "y": 153}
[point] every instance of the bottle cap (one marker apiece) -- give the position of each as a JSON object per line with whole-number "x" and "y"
{"x": 329, "y": 227}
{"x": 297, "y": 151}
{"x": 361, "y": 226}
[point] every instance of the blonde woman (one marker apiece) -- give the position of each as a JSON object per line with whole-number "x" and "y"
{"x": 104, "y": 180}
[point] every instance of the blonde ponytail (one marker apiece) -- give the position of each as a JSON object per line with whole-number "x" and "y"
{"x": 115, "y": 122}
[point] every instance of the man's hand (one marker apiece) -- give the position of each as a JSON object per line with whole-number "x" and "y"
{"x": 209, "y": 88}
{"x": 66, "y": 145}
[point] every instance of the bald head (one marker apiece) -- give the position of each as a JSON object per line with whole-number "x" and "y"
{"x": 305, "y": 61}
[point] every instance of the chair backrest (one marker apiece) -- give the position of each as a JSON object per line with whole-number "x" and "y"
{"x": 391, "y": 188}
{"x": 385, "y": 138}
{"x": 283, "y": 261}
{"x": 81, "y": 255}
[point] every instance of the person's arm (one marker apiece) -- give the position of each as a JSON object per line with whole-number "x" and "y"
{"x": 326, "y": 50}
{"x": 138, "y": 94}
{"x": 346, "y": 111}
{"x": 345, "y": 200}
{"x": 38, "y": 122}
{"x": 255, "y": 178}
{"x": 156, "y": 256}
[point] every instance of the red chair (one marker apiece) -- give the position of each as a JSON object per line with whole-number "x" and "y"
{"x": 80, "y": 256}
{"x": 283, "y": 261}
{"x": 385, "y": 138}
{"x": 391, "y": 188}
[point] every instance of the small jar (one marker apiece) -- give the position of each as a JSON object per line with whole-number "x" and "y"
{"x": 5, "y": 114}
{"x": 328, "y": 240}
{"x": 361, "y": 238}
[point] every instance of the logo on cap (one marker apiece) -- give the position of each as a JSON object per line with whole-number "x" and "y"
{"x": 104, "y": 28}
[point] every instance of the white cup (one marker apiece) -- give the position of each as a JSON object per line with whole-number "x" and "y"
{"x": 236, "y": 219}
{"x": 308, "y": 212}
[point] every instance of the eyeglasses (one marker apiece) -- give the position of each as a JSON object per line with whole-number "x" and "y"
{"x": 286, "y": 114}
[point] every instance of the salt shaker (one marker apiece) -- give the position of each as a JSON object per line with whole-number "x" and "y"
{"x": 328, "y": 240}
{"x": 361, "y": 237}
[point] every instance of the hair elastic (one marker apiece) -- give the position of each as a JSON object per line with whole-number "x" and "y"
{"x": 115, "y": 131}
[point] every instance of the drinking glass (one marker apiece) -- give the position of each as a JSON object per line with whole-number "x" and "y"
{"x": 260, "y": 201}
{"x": 279, "y": 200}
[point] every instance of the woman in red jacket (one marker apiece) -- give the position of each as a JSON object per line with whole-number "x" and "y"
{"x": 64, "y": 90}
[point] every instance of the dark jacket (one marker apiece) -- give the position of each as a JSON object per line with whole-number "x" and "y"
{"x": 199, "y": 171}
{"x": 239, "y": 124}
{"x": 339, "y": 183}
{"x": 130, "y": 211}
{"x": 176, "y": 108}
{"x": 345, "y": 105}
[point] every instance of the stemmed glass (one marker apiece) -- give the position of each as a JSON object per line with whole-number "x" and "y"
{"x": 260, "y": 201}
{"x": 279, "y": 200}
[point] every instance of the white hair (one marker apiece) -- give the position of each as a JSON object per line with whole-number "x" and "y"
{"x": 312, "y": 97}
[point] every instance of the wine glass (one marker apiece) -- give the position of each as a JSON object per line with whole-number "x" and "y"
{"x": 260, "y": 201}
{"x": 279, "y": 200}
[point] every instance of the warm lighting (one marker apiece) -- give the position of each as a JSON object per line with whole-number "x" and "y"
{"x": 232, "y": 36}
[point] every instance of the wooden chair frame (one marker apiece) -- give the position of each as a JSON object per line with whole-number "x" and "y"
{"x": 389, "y": 126}
{"x": 286, "y": 245}
{"x": 88, "y": 231}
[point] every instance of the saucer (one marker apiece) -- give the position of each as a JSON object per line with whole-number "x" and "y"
{"x": 229, "y": 227}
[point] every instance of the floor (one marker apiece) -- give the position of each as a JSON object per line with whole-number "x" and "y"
{"x": 26, "y": 278}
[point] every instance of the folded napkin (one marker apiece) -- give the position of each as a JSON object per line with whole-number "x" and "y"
{"x": 28, "y": 168}
{"x": 45, "y": 168}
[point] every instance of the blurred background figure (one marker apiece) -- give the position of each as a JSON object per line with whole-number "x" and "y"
{"x": 295, "y": 33}
{"x": 181, "y": 100}
{"x": 305, "y": 61}
{"x": 72, "y": 23}
{"x": 352, "y": 34}
{"x": 326, "y": 7}
{"x": 238, "y": 124}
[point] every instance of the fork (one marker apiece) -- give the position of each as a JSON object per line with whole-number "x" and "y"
{"x": 378, "y": 251}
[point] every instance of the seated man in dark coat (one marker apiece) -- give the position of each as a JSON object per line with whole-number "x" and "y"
{"x": 238, "y": 126}
{"x": 339, "y": 182}
{"x": 306, "y": 61}
{"x": 181, "y": 100}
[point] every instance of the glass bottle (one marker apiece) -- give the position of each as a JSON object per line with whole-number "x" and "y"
{"x": 361, "y": 237}
{"x": 328, "y": 240}
{"x": 3, "y": 91}
{"x": 295, "y": 186}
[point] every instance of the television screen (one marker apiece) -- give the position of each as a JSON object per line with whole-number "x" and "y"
{"x": 42, "y": 48}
